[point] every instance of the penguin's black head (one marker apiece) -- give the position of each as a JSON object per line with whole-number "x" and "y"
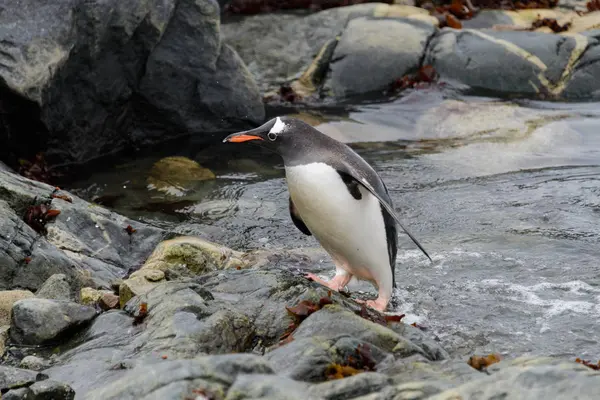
{"x": 285, "y": 136}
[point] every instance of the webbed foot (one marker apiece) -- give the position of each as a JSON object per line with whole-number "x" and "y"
{"x": 379, "y": 304}
{"x": 337, "y": 283}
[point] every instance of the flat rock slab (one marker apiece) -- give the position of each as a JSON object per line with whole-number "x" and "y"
{"x": 182, "y": 378}
{"x": 373, "y": 52}
{"x": 39, "y": 321}
{"x": 531, "y": 379}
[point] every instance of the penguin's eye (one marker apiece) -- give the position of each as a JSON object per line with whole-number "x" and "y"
{"x": 272, "y": 136}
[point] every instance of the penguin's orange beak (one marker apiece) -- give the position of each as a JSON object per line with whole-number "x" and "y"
{"x": 239, "y": 138}
{"x": 259, "y": 133}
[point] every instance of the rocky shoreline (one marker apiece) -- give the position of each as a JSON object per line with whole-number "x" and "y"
{"x": 198, "y": 320}
{"x": 94, "y": 305}
{"x": 394, "y": 41}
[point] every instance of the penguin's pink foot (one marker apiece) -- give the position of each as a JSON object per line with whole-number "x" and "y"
{"x": 379, "y": 304}
{"x": 315, "y": 278}
{"x": 337, "y": 283}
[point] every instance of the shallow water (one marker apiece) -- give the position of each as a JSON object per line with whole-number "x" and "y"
{"x": 504, "y": 196}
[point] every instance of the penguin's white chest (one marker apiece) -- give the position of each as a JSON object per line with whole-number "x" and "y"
{"x": 352, "y": 231}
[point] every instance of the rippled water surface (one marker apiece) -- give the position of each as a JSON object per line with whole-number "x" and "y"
{"x": 504, "y": 196}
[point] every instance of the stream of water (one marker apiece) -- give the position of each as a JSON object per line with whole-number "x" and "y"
{"x": 505, "y": 196}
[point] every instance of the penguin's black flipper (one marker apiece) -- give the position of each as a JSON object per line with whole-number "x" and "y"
{"x": 297, "y": 220}
{"x": 384, "y": 203}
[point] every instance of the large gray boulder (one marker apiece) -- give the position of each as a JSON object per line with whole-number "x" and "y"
{"x": 42, "y": 321}
{"x": 81, "y": 78}
{"x": 278, "y": 47}
{"x": 543, "y": 64}
{"x": 373, "y": 52}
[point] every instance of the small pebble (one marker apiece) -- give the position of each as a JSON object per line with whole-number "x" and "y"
{"x": 34, "y": 363}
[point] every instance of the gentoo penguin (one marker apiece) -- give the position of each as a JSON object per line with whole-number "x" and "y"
{"x": 337, "y": 197}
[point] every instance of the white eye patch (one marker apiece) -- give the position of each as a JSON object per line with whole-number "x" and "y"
{"x": 278, "y": 127}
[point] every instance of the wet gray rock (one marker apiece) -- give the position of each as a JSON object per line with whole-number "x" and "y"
{"x": 17, "y": 394}
{"x": 304, "y": 359}
{"x": 248, "y": 310}
{"x": 14, "y": 378}
{"x": 445, "y": 373}
{"x": 541, "y": 64}
{"x": 181, "y": 323}
{"x": 277, "y": 47}
{"x": 191, "y": 74}
{"x": 102, "y": 353}
{"x": 179, "y": 379}
{"x": 371, "y": 44}
{"x": 351, "y": 387}
{"x": 43, "y": 390}
{"x": 85, "y": 243}
{"x": 56, "y": 287}
{"x": 583, "y": 80}
{"x": 530, "y": 378}
{"x": 262, "y": 295}
{"x": 39, "y": 321}
{"x": 49, "y": 389}
{"x": 268, "y": 387}
{"x": 308, "y": 359}
{"x": 34, "y": 363}
{"x": 18, "y": 241}
{"x": 134, "y": 72}
{"x": 333, "y": 319}
{"x": 432, "y": 349}
{"x": 183, "y": 348}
